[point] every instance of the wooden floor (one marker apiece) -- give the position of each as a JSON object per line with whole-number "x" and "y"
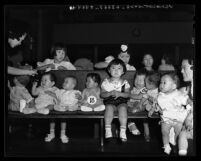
{"x": 82, "y": 142}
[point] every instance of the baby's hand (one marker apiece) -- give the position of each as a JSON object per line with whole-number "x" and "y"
{"x": 117, "y": 94}
{"x": 61, "y": 68}
{"x": 150, "y": 113}
{"x": 188, "y": 125}
{"x": 78, "y": 96}
{"x": 35, "y": 83}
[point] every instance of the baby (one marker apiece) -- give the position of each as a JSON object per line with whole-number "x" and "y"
{"x": 150, "y": 98}
{"x": 20, "y": 98}
{"x": 68, "y": 97}
{"x": 44, "y": 102}
{"x": 91, "y": 100}
{"x": 171, "y": 102}
{"x": 135, "y": 102}
{"x": 67, "y": 100}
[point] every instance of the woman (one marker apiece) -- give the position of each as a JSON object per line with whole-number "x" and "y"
{"x": 187, "y": 131}
{"x": 16, "y": 35}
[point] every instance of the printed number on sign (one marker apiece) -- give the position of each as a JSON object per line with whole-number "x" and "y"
{"x": 91, "y": 100}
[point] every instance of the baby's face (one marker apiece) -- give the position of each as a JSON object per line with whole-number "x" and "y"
{"x": 125, "y": 57}
{"x": 60, "y": 55}
{"x": 139, "y": 81}
{"x": 46, "y": 82}
{"x": 167, "y": 84}
{"x": 90, "y": 83}
{"x": 68, "y": 84}
{"x": 116, "y": 71}
{"x": 149, "y": 85}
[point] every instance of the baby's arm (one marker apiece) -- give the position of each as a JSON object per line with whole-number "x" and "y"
{"x": 105, "y": 94}
{"x": 9, "y": 86}
{"x": 136, "y": 96}
{"x": 78, "y": 95}
{"x": 35, "y": 91}
{"x": 124, "y": 94}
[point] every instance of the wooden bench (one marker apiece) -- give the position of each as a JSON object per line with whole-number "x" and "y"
{"x": 75, "y": 115}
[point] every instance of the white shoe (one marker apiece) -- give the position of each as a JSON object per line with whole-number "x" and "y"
{"x": 44, "y": 111}
{"x": 167, "y": 149}
{"x": 99, "y": 108}
{"x": 123, "y": 136}
{"x": 49, "y": 137}
{"x": 108, "y": 133}
{"x": 86, "y": 109}
{"x": 133, "y": 128}
{"x": 64, "y": 139}
{"x": 182, "y": 152}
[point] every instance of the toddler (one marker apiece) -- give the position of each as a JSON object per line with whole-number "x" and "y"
{"x": 91, "y": 100}
{"x": 20, "y": 98}
{"x": 67, "y": 100}
{"x": 59, "y": 62}
{"x": 44, "y": 102}
{"x": 152, "y": 82}
{"x": 135, "y": 102}
{"x": 171, "y": 101}
{"x": 115, "y": 92}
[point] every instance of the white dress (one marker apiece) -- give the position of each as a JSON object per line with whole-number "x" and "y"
{"x": 66, "y": 64}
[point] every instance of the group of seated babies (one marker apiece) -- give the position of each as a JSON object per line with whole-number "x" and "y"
{"x": 151, "y": 92}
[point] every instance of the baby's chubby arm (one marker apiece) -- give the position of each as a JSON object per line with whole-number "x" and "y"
{"x": 35, "y": 90}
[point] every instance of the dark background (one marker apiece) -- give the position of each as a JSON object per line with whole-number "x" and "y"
{"x": 97, "y": 33}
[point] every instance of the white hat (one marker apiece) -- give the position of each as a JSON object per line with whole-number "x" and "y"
{"x": 124, "y": 47}
{"x": 108, "y": 59}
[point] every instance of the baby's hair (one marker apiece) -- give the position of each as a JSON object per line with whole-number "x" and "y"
{"x": 95, "y": 76}
{"x": 140, "y": 72}
{"x": 58, "y": 46}
{"x": 23, "y": 79}
{"x": 153, "y": 78}
{"x": 174, "y": 77}
{"x": 117, "y": 62}
{"x": 73, "y": 77}
{"x": 52, "y": 76}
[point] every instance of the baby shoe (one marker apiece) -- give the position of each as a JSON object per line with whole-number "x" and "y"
{"x": 49, "y": 137}
{"x": 133, "y": 128}
{"x": 44, "y": 111}
{"x": 64, "y": 139}
{"x": 147, "y": 138}
{"x": 108, "y": 133}
{"x": 99, "y": 108}
{"x": 167, "y": 149}
{"x": 86, "y": 109}
{"x": 123, "y": 136}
